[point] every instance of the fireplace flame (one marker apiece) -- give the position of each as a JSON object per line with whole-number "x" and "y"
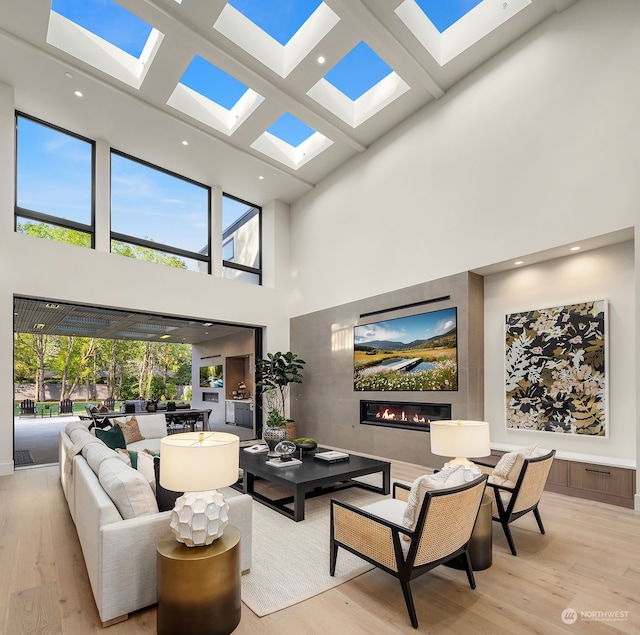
{"x": 392, "y": 416}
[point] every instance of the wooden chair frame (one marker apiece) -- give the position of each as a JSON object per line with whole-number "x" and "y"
{"x": 27, "y": 407}
{"x": 379, "y": 541}
{"x": 525, "y": 495}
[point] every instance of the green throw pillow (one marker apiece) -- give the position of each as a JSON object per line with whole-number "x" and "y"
{"x": 113, "y": 438}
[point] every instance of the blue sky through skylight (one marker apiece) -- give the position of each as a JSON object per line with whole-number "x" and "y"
{"x": 291, "y": 130}
{"x": 445, "y": 13}
{"x": 213, "y": 83}
{"x": 281, "y": 19}
{"x": 107, "y": 20}
{"x": 358, "y": 71}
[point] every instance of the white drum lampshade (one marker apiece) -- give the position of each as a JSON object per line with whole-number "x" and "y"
{"x": 460, "y": 439}
{"x": 198, "y": 463}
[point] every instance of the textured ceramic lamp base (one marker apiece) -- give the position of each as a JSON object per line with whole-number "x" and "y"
{"x": 199, "y": 518}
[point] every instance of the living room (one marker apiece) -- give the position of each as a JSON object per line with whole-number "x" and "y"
{"x": 526, "y": 157}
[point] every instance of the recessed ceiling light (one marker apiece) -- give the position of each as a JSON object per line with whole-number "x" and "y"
{"x": 321, "y": 59}
{"x": 50, "y": 305}
{"x": 38, "y": 327}
{"x": 164, "y": 337}
{"x": 68, "y": 75}
{"x": 77, "y": 93}
{"x": 574, "y": 248}
{"x": 519, "y": 262}
{"x": 261, "y": 177}
{"x": 185, "y": 142}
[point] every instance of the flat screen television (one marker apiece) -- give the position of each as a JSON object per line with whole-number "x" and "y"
{"x": 211, "y": 376}
{"x": 417, "y": 352}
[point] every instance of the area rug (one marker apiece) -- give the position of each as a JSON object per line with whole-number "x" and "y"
{"x": 290, "y": 561}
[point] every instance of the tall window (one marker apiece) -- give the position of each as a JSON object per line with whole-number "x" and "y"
{"x": 159, "y": 216}
{"x": 241, "y": 240}
{"x": 54, "y": 183}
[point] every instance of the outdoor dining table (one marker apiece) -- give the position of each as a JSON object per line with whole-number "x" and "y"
{"x": 202, "y": 413}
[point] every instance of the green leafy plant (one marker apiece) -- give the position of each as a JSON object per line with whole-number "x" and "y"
{"x": 275, "y": 375}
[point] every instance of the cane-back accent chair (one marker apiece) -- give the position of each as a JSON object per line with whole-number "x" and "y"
{"x": 442, "y": 532}
{"x": 512, "y": 501}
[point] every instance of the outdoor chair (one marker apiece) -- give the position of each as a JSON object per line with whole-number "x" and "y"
{"x": 66, "y": 407}
{"x": 27, "y": 407}
{"x": 520, "y": 491}
{"x": 378, "y": 534}
{"x": 110, "y": 403}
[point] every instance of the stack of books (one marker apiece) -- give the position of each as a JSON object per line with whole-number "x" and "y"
{"x": 331, "y": 456}
{"x": 277, "y": 462}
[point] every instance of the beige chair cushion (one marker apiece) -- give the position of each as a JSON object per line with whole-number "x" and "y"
{"x": 447, "y": 477}
{"x": 146, "y": 468}
{"x": 95, "y": 453}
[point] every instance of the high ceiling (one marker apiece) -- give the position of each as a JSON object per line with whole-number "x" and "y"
{"x": 139, "y": 105}
{"x": 55, "y": 318}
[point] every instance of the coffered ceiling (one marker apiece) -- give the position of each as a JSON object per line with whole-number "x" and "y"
{"x": 140, "y": 106}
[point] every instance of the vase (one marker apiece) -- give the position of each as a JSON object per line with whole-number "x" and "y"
{"x": 273, "y": 436}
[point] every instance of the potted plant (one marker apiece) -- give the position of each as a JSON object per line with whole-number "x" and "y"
{"x": 275, "y": 375}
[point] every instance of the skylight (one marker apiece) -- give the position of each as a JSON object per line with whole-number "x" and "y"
{"x": 290, "y": 130}
{"x": 213, "y": 83}
{"x": 444, "y": 14}
{"x": 109, "y": 21}
{"x": 281, "y": 20}
{"x": 357, "y": 72}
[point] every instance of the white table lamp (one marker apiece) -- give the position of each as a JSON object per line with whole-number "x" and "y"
{"x": 460, "y": 439}
{"x": 198, "y": 463}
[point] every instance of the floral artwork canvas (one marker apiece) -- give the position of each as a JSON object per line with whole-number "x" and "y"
{"x": 556, "y": 377}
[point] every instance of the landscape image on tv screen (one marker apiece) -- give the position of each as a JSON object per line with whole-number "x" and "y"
{"x": 418, "y": 352}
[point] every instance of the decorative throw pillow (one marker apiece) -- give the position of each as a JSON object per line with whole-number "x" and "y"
{"x": 124, "y": 455}
{"x": 114, "y": 438}
{"x": 131, "y": 431}
{"x": 165, "y": 498}
{"x": 510, "y": 465}
{"x": 145, "y": 467}
{"x": 447, "y": 477}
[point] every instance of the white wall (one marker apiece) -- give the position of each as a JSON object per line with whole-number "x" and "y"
{"x": 595, "y": 275}
{"x": 537, "y": 149}
{"x": 39, "y": 268}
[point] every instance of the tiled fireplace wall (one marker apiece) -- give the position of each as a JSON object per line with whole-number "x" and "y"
{"x": 326, "y": 406}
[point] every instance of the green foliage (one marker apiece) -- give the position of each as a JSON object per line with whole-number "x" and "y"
{"x": 158, "y": 387}
{"x": 275, "y": 374}
{"x": 53, "y": 232}
{"x": 145, "y": 253}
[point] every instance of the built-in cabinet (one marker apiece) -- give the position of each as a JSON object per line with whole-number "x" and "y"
{"x": 239, "y": 413}
{"x": 603, "y": 483}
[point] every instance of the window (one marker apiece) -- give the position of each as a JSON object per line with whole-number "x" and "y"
{"x": 241, "y": 240}
{"x": 54, "y": 183}
{"x": 158, "y": 216}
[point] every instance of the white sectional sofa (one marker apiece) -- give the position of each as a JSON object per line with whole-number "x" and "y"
{"x": 118, "y": 531}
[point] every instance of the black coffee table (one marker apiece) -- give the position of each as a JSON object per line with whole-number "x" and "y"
{"x": 312, "y": 478}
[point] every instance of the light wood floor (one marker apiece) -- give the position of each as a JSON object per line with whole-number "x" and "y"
{"x": 589, "y": 561}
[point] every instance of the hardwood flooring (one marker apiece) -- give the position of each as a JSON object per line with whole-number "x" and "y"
{"x": 589, "y": 561}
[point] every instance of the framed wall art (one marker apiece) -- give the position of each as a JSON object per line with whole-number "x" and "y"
{"x": 556, "y": 369}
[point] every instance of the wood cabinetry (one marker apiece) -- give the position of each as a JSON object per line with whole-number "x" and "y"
{"x": 604, "y": 483}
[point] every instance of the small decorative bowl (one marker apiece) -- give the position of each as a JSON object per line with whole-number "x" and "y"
{"x": 308, "y": 446}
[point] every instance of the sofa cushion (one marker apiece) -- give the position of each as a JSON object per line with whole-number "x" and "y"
{"x": 113, "y": 437}
{"x": 95, "y": 453}
{"x": 131, "y": 431}
{"x": 447, "y": 477}
{"x": 153, "y": 426}
{"x": 127, "y": 488}
{"x": 74, "y": 425}
{"x": 149, "y": 445}
{"x": 80, "y": 433}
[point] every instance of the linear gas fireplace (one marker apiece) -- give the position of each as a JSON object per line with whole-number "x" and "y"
{"x": 402, "y": 414}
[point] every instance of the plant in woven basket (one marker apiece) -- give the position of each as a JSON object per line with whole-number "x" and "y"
{"x": 275, "y": 374}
